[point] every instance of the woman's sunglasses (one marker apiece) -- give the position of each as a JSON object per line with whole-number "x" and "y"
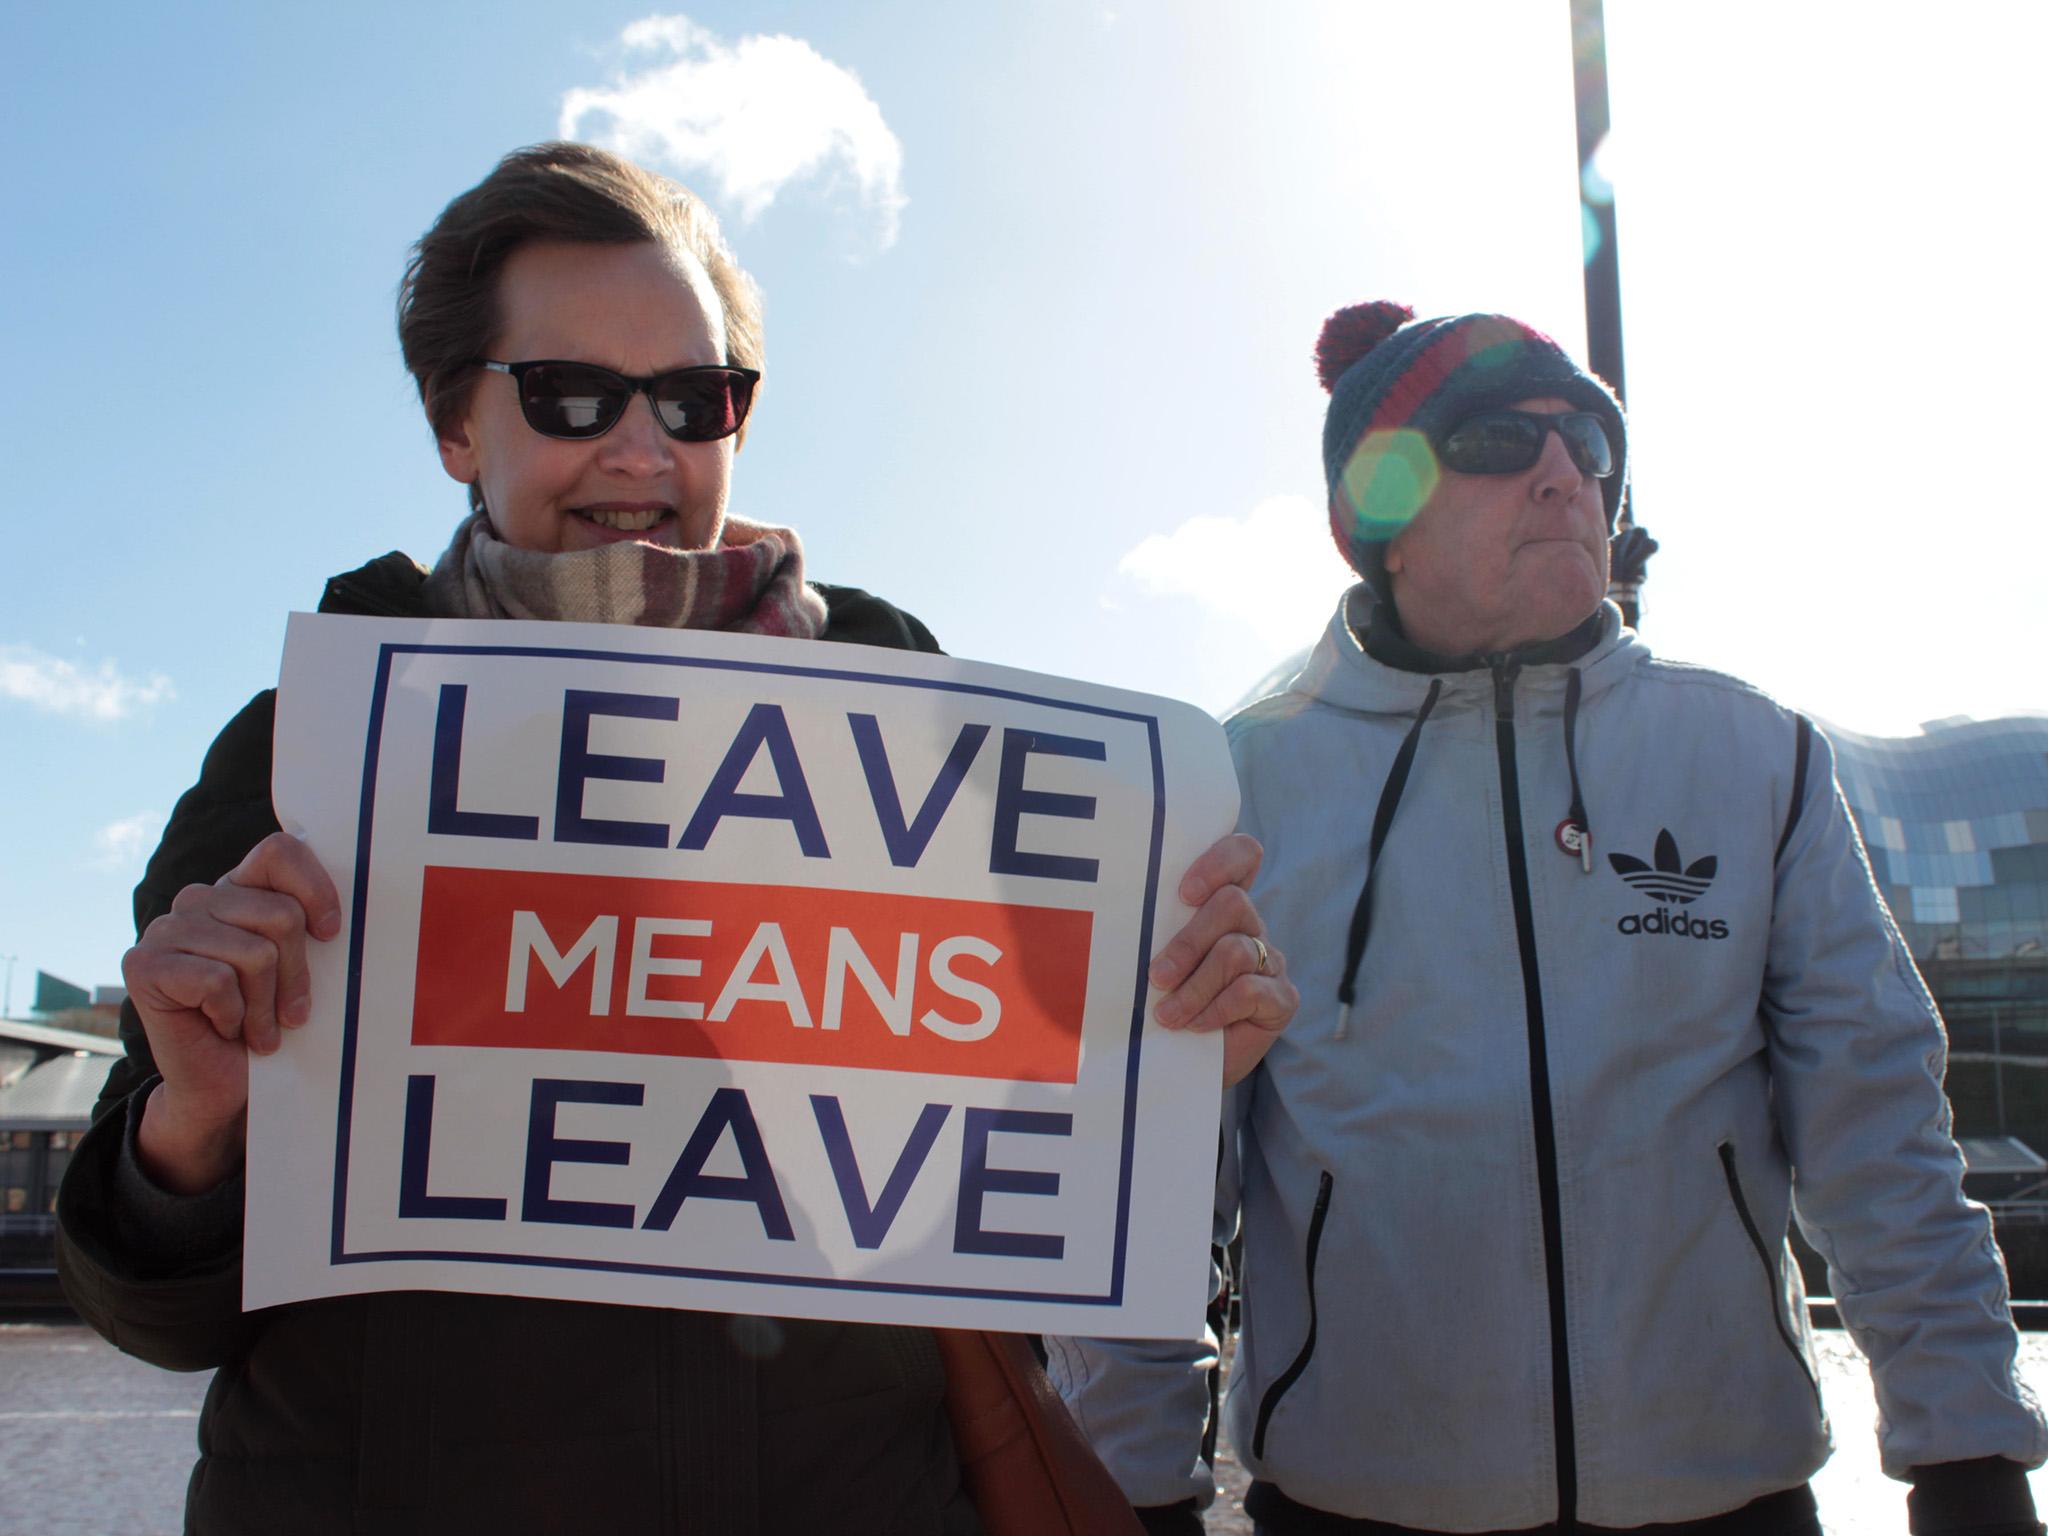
{"x": 581, "y": 400}
{"x": 1508, "y": 442}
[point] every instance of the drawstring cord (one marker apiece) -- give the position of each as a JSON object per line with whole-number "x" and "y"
{"x": 1576, "y": 835}
{"x": 1577, "y": 828}
{"x": 1383, "y": 819}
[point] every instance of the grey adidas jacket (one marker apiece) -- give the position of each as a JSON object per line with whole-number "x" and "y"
{"x": 1514, "y": 1228}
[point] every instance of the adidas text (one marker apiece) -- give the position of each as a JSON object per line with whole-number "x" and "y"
{"x": 1664, "y": 920}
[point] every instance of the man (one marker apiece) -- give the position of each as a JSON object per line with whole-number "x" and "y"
{"x": 1593, "y": 974}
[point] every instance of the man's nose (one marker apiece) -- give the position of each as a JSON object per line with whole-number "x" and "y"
{"x": 1557, "y": 473}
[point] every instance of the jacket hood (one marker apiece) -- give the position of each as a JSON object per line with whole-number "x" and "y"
{"x": 1342, "y": 673}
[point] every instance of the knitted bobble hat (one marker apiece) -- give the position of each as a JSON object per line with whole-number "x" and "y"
{"x": 1398, "y": 384}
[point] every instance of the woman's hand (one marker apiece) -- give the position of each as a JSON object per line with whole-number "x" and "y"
{"x": 219, "y": 975}
{"x": 1220, "y": 971}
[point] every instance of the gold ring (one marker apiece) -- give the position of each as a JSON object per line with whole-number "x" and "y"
{"x": 1265, "y": 965}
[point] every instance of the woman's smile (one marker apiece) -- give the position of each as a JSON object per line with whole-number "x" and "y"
{"x": 610, "y": 521}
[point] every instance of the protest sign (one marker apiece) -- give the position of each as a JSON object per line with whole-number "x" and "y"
{"x": 713, "y": 971}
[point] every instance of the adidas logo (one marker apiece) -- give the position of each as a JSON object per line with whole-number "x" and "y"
{"x": 1677, "y": 924}
{"x": 1669, "y": 879}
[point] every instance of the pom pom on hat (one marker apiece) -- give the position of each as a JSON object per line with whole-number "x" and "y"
{"x": 1354, "y": 331}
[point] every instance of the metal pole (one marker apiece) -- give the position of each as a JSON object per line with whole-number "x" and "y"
{"x": 1997, "y": 1069}
{"x": 1632, "y": 546}
{"x": 1596, "y": 197}
{"x": 7, "y": 997}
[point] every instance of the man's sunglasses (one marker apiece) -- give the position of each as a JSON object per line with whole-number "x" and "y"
{"x": 582, "y": 400}
{"x": 1508, "y": 442}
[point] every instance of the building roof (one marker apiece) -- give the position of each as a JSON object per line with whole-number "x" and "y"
{"x": 14, "y": 1060}
{"x": 56, "y": 1096}
{"x": 2000, "y": 1154}
{"x": 48, "y": 1035}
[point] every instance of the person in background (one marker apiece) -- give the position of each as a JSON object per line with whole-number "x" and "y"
{"x": 1599, "y": 993}
{"x": 587, "y": 351}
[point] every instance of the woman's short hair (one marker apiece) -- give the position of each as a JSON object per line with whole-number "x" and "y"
{"x": 448, "y": 298}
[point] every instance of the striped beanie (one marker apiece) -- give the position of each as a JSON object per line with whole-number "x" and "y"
{"x": 1397, "y": 384}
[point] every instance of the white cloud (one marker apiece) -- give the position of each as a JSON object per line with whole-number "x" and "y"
{"x": 63, "y": 687}
{"x": 755, "y": 116}
{"x": 1274, "y": 570}
{"x": 124, "y": 844}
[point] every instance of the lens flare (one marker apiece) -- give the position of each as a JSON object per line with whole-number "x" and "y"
{"x": 1386, "y": 481}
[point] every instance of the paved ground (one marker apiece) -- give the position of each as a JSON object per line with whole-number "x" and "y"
{"x": 97, "y": 1444}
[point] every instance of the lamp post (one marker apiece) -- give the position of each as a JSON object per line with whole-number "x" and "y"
{"x": 7, "y": 995}
{"x": 1633, "y": 546}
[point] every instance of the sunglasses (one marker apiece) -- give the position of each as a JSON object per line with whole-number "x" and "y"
{"x": 581, "y": 400}
{"x": 1508, "y": 442}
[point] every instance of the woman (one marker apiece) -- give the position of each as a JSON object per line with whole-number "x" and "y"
{"x": 586, "y": 350}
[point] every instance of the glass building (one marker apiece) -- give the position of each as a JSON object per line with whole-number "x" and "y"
{"x": 1956, "y": 824}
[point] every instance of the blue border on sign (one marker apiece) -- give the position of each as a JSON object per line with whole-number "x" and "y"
{"x": 366, "y": 816}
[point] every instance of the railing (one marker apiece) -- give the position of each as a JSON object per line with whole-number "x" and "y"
{"x": 28, "y": 1241}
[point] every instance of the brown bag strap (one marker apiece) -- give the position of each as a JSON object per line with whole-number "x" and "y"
{"x": 1024, "y": 1460}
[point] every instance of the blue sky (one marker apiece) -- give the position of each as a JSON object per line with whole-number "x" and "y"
{"x": 1042, "y": 279}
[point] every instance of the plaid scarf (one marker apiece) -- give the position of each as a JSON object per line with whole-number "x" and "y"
{"x": 752, "y": 582}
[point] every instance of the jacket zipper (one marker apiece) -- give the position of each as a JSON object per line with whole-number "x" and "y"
{"x": 1563, "y": 1431}
{"x": 1292, "y": 1374}
{"x": 1756, "y": 1241}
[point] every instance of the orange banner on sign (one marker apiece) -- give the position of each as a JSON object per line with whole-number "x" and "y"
{"x": 750, "y": 973}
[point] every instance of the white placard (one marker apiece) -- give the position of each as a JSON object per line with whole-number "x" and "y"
{"x": 711, "y": 971}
